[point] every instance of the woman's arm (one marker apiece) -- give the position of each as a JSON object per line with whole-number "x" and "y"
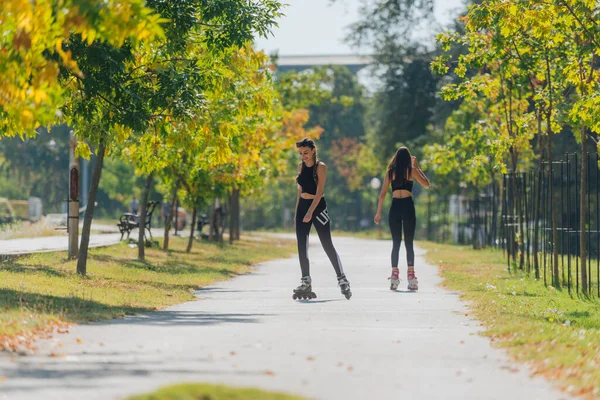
{"x": 299, "y": 193}
{"x": 384, "y": 189}
{"x": 419, "y": 175}
{"x": 322, "y": 177}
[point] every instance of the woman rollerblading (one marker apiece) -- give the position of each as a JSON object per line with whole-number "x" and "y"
{"x": 401, "y": 173}
{"x": 311, "y": 208}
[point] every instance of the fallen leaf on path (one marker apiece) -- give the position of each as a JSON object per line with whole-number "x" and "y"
{"x": 79, "y": 340}
{"x": 340, "y": 364}
{"x": 3, "y": 379}
{"x": 514, "y": 370}
{"x": 309, "y": 359}
{"x": 232, "y": 353}
{"x": 350, "y": 368}
{"x": 270, "y": 373}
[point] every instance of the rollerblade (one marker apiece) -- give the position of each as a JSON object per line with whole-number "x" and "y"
{"x": 304, "y": 291}
{"x": 413, "y": 283}
{"x": 344, "y": 286}
{"x": 394, "y": 279}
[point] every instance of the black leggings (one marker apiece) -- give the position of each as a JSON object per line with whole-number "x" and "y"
{"x": 323, "y": 225}
{"x": 402, "y": 215}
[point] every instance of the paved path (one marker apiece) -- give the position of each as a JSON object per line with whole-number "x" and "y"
{"x": 249, "y": 332}
{"x": 51, "y": 243}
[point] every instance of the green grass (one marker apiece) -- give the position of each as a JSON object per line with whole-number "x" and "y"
{"x": 41, "y": 292}
{"x": 556, "y": 334}
{"x": 211, "y": 392}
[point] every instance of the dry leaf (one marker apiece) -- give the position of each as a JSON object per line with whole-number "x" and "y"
{"x": 79, "y": 340}
{"x": 270, "y": 373}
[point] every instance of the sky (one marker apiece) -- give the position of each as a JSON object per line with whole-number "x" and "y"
{"x": 315, "y": 27}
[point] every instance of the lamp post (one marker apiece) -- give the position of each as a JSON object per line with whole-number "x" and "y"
{"x": 375, "y": 185}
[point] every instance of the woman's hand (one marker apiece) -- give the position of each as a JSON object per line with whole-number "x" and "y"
{"x": 413, "y": 160}
{"x": 307, "y": 217}
{"x": 377, "y": 218}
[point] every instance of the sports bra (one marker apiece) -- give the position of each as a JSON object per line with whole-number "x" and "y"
{"x": 406, "y": 185}
{"x": 306, "y": 179}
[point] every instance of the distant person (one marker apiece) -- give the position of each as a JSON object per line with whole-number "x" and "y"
{"x": 134, "y": 206}
{"x": 311, "y": 208}
{"x": 401, "y": 171}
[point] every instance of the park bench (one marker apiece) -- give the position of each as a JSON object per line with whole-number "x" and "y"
{"x": 129, "y": 222}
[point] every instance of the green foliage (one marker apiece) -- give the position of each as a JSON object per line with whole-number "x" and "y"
{"x": 31, "y": 91}
{"x": 36, "y": 167}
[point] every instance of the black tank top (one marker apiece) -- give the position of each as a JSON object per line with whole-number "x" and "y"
{"x": 306, "y": 179}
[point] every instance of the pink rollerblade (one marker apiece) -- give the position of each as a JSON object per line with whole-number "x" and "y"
{"x": 413, "y": 283}
{"x": 394, "y": 279}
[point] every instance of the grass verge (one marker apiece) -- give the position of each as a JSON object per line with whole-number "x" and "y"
{"x": 43, "y": 292}
{"x": 556, "y": 334}
{"x": 212, "y": 392}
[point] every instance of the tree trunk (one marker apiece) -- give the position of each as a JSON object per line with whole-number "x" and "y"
{"x": 538, "y": 199}
{"x": 429, "y": 215}
{"x": 89, "y": 213}
{"x": 170, "y": 217}
{"x": 237, "y": 214}
{"x": 191, "y": 240}
{"x": 219, "y": 216}
{"x": 555, "y": 273}
{"x": 211, "y": 221}
{"x": 553, "y": 210}
{"x": 231, "y": 216}
{"x": 583, "y": 207}
{"x": 143, "y": 211}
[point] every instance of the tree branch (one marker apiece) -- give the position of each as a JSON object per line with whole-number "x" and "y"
{"x": 572, "y": 12}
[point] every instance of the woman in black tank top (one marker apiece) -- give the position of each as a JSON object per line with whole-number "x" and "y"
{"x": 311, "y": 208}
{"x": 401, "y": 173}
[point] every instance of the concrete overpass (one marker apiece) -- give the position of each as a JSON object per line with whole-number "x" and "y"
{"x": 301, "y": 62}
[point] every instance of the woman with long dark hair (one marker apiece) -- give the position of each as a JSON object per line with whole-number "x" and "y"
{"x": 401, "y": 173}
{"x": 311, "y": 207}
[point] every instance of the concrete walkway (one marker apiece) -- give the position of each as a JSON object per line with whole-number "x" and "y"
{"x": 249, "y": 332}
{"x": 51, "y": 243}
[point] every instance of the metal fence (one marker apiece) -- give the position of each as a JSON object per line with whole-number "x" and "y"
{"x": 529, "y": 239}
{"x": 516, "y": 214}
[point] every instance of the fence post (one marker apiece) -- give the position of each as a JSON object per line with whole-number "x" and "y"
{"x": 568, "y": 166}
{"x": 577, "y": 224}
